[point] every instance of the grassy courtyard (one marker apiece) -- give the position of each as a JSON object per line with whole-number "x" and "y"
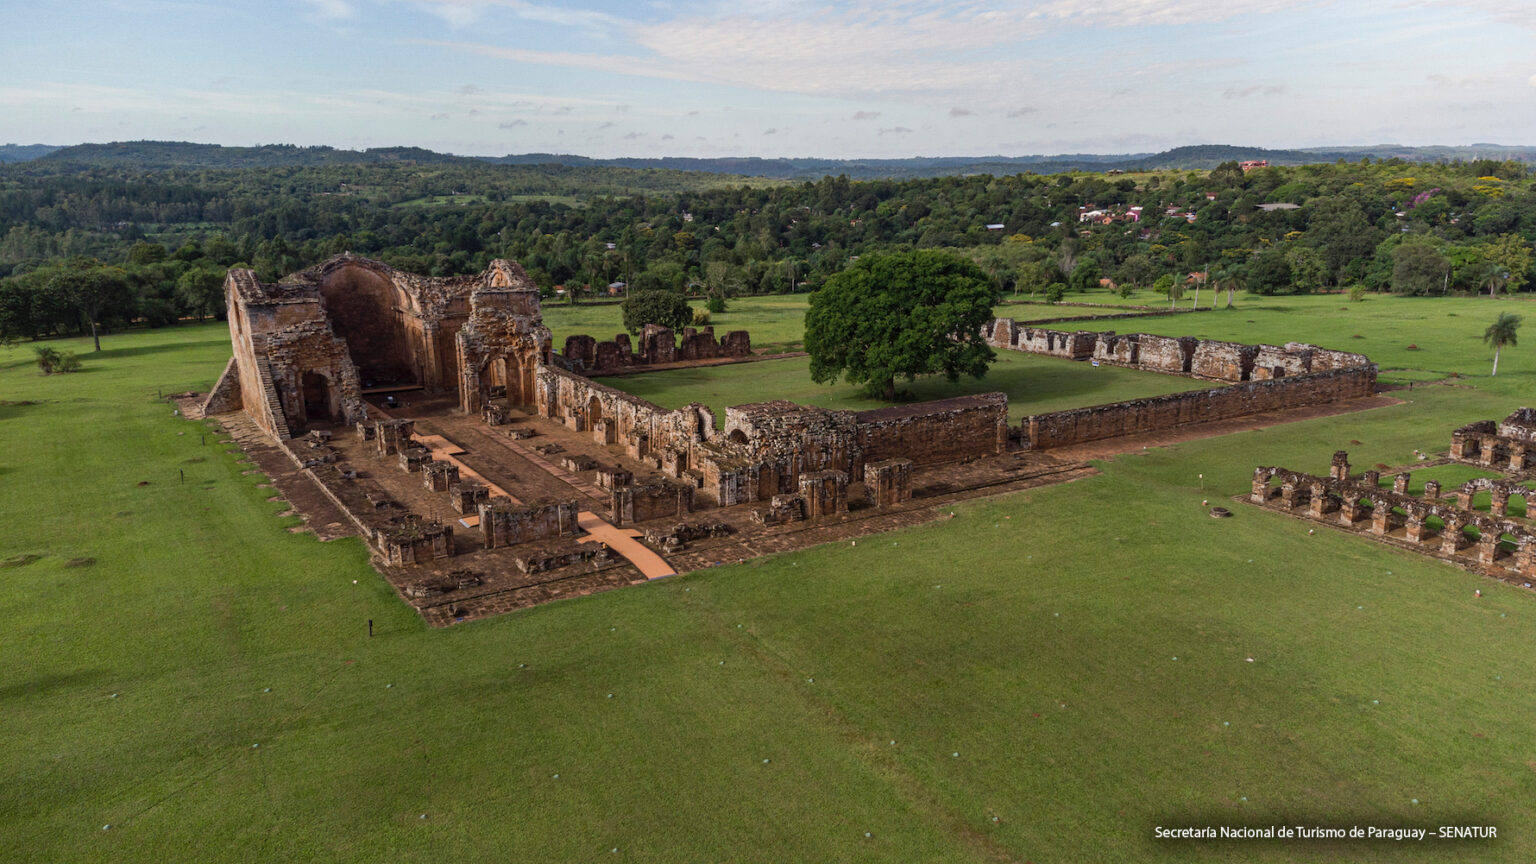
{"x": 1046, "y": 677}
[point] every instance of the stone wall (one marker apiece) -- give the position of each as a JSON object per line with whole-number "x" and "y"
{"x": 1138, "y": 416}
{"x": 506, "y": 523}
{"x": 1510, "y": 445}
{"x": 888, "y": 483}
{"x": 657, "y": 345}
{"x": 658, "y": 500}
{"x": 945, "y": 430}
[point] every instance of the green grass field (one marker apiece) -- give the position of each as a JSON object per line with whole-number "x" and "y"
{"x": 997, "y": 687}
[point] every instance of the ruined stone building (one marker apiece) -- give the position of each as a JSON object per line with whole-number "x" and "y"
{"x": 306, "y": 346}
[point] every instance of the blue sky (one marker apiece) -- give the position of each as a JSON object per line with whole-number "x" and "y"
{"x": 772, "y": 77}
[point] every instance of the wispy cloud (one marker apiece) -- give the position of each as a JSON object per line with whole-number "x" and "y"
{"x": 866, "y": 115}
{"x": 1255, "y": 90}
{"x": 960, "y": 112}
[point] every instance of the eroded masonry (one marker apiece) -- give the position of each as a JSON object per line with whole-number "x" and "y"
{"x": 1446, "y": 523}
{"x": 488, "y": 472}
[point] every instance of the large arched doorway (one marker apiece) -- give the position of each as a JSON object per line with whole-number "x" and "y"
{"x": 382, "y": 332}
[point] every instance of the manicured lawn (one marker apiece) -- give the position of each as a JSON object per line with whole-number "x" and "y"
{"x": 1019, "y": 656}
{"x": 1034, "y": 385}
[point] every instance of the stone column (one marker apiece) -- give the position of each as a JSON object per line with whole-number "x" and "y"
{"x": 1289, "y": 494}
{"x": 1490, "y": 446}
{"x": 1349, "y": 508}
{"x": 1464, "y": 498}
{"x": 1400, "y": 483}
{"x": 1259, "y": 494}
{"x": 1322, "y": 502}
{"x": 1415, "y": 530}
{"x": 1488, "y": 547}
{"x": 1381, "y": 518}
{"x": 1451, "y": 537}
{"x": 1371, "y": 479}
{"x": 1458, "y": 446}
{"x": 1517, "y": 457}
{"x": 1432, "y": 490}
{"x": 1499, "y": 501}
{"x": 1340, "y": 468}
{"x": 1525, "y": 556}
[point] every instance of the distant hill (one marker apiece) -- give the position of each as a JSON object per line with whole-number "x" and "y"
{"x": 24, "y": 152}
{"x": 175, "y": 154}
{"x": 181, "y": 154}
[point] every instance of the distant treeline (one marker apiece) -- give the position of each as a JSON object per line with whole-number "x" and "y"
{"x": 1420, "y": 228}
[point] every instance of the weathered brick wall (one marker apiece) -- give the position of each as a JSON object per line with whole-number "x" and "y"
{"x": 698, "y": 344}
{"x": 1137, "y": 416}
{"x": 1275, "y": 362}
{"x": 1055, "y": 343}
{"x": 889, "y": 482}
{"x": 1120, "y": 350}
{"x": 945, "y": 430}
{"x": 736, "y": 343}
{"x": 1166, "y": 353}
{"x": 825, "y": 493}
{"x": 581, "y": 349}
{"x": 1223, "y": 361}
{"x": 1327, "y": 359}
{"x": 658, "y": 344}
{"x": 505, "y": 523}
{"x": 658, "y": 500}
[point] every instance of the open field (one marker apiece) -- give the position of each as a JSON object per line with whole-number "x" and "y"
{"x": 1046, "y": 677}
{"x": 1034, "y": 384}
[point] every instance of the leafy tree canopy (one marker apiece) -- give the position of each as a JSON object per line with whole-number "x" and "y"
{"x": 667, "y": 308}
{"x": 900, "y": 315}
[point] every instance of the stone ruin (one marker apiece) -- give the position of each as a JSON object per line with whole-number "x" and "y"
{"x": 658, "y": 345}
{"x": 1509, "y": 445}
{"x": 1260, "y": 377}
{"x": 307, "y": 348}
{"x": 1359, "y": 503}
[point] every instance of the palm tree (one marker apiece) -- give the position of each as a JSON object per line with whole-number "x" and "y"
{"x": 1501, "y": 333}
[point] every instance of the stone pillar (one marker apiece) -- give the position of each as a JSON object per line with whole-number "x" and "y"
{"x": 825, "y": 493}
{"x": 605, "y": 431}
{"x": 1525, "y": 556}
{"x": 1371, "y": 479}
{"x": 466, "y": 496}
{"x": 1517, "y": 457}
{"x": 1415, "y": 529}
{"x": 1490, "y": 450}
{"x": 1340, "y": 468}
{"x": 1458, "y": 446}
{"x": 1349, "y": 508}
{"x": 1499, "y": 501}
{"x": 1381, "y": 519}
{"x": 1322, "y": 503}
{"x": 1451, "y": 538}
{"x": 1290, "y": 494}
{"x": 1488, "y": 547}
{"x": 889, "y": 482}
{"x": 1400, "y": 483}
{"x": 1432, "y": 489}
{"x": 438, "y": 476}
{"x": 1260, "y": 491}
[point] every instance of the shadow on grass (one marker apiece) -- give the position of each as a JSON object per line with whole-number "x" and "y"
{"x": 42, "y": 684}
{"x": 107, "y": 353}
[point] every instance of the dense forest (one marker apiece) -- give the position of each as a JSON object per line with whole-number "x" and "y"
{"x": 117, "y": 240}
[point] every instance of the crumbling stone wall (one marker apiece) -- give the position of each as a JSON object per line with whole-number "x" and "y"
{"x": 1166, "y": 354}
{"x": 1223, "y": 361}
{"x": 1509, "y": 445}
{"x": 504, "y": 343}
{"x": 825, "y": 493}
{"x": 416, "y": 541}
{"x": 1136, "y": 416}
{"x": 506, "y": 523}
{"x": 658, "y": 500}
{"x": 657, "y": 345}
{"x": 944, "y": 430}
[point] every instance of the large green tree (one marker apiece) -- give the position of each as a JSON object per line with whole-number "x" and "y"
{"x": 667, "y": 308}
{"x": 899, "y": 316}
